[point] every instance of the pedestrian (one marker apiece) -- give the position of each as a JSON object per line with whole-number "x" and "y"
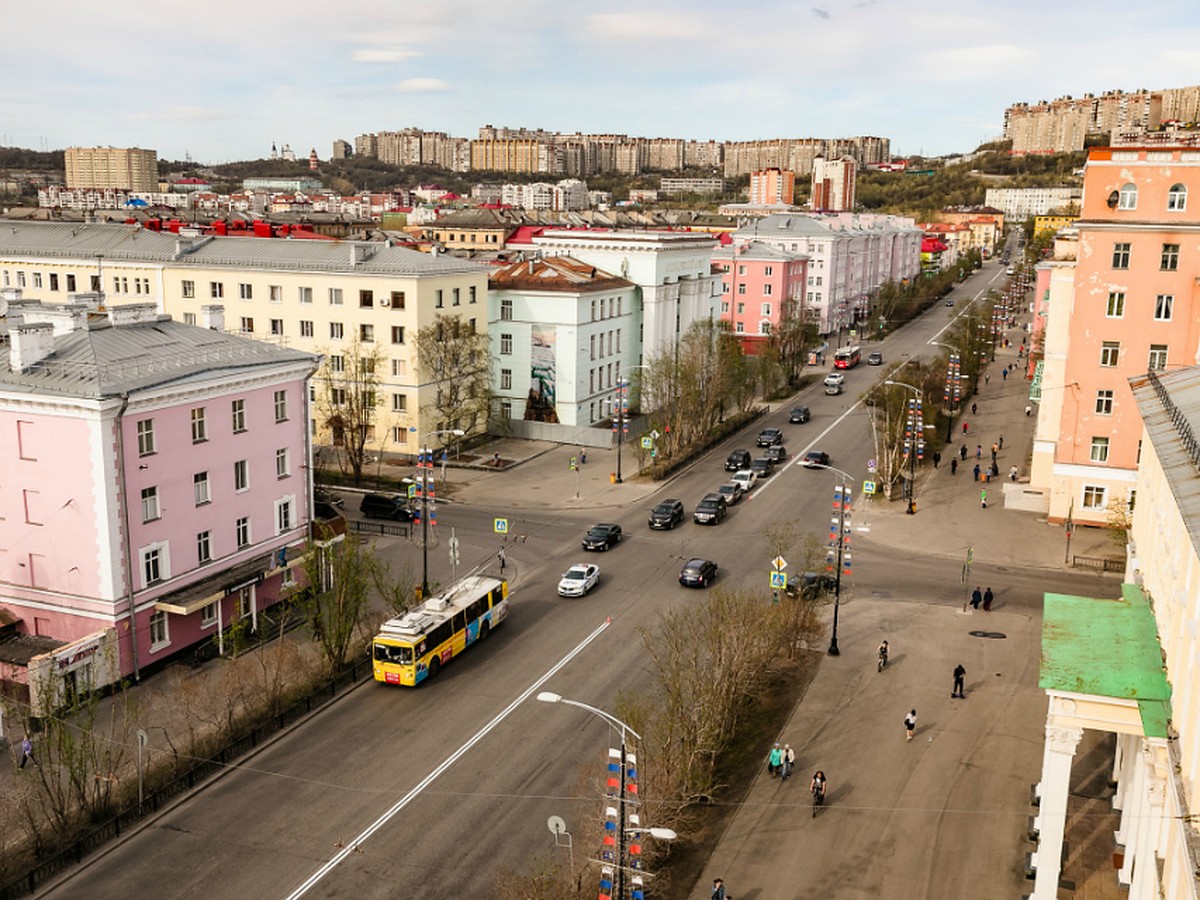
{"x": 987, "y": 600}
{"x": 26, "y": 752}
{"x": 1012, "y": 474}
{"x": 502, "y": 558}
{"x": 977, "y": 471}
{"x": 987, "y": 379}
{"x": 973, "y": 408}
{"x": 775, "y": 760}
{"x": 718, "y": 892}
{"x": 1000, "y": 443}
{"x": 983, "y": 498}
{"x": 959, "y": 674}
{"x": 1004, "y": 373}
{"x": 937, "y": 458}
{"x": 496, "y": 459}
{"x": 910, "y": 722}
{"x": 953, "y": 464}
{"x": 995, "y": 448}
{"x": 979, "y": 451}
{"x": 976, "y": 597}
{"x": 962, "y": 452}
{"x": 582, "y": 455}
{"x": 964, "y": 427}
{"x": 1028, "y": 409}
{"x": 994, "y": 471}
{"x": 789, "y": 761}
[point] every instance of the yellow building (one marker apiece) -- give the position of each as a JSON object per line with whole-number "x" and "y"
{"x": 1052, "y": 224}
{"x": 123, "y": 168}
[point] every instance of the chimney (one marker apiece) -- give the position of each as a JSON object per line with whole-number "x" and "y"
{"x": 212, "y": 316}
{"x": 132, "y": 313}
{"x": 30, "y": 344}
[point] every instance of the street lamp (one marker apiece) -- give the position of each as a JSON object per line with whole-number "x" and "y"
{"x": 425, "y": 462}
{"x": 622, "y": 829}
{"x": 847, "y": 481}
{"x": 917, "y": 426}
{"x": 620, "y": 424}
{"x": 952, "y": 389}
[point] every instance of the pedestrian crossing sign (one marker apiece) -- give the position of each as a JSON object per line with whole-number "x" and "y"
{"x": 500, "y": 526}
{"x": 868, "y": 487}
{"x": 779, "y": 580}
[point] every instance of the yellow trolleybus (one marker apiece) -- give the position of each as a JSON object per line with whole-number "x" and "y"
{"x": 409, "y": 649}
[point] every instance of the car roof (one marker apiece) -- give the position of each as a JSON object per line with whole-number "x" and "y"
{"x": 695, "y": 562}
{"x": 602, "y": 525}
{"x": 712, "y": 496}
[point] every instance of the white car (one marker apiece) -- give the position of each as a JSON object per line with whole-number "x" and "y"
{"x": 835, "y": 379}
{"x": 745, "y": 478}
{"x": 578, "y": 580}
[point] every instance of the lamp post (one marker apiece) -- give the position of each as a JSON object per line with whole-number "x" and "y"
{"x": 918, "y": 433}
{"x": 621, "y": 829}
{"x": 621, "y": 423}
{"x": 953, "y": 377}
{"x": 841, "y": 492}
{"x": 425, "y": 463}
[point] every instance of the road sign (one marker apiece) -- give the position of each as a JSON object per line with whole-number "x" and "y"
{"x": 647, "y": 442}
{"x": 453, "y": 542}
{"x": 453, "y": 556}
{"x": 412, "y": 491}
{"x": 779, "y": 563}
{"x": 868, "y": 487}
{"x": 500, "y": 526}
{"x": 871, "y": 466}
{"x": 779, "y": 580}
{"x": 654, "y": 434}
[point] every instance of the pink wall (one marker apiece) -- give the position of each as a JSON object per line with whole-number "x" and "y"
{"x": 787, "y": 280}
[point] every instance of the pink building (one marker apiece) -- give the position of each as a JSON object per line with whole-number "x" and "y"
{"x": 155, "y": 488}
{"x": 760, "y": 285}
{"x": 1133, "y": 309}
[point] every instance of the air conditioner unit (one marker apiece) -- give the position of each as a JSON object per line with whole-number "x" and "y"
{"x": 385, "y": 301}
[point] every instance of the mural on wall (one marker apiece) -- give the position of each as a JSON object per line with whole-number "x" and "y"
{"x": 539, "y": 405}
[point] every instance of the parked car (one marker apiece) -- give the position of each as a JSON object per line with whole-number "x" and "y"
{"x": 799, "y": 415}
{"x": 815, "y": 458}
{"x": 321, "y": 495}
{"x": 762, "y": 468}
{"x": 731, "y": 491}
{"x": 776, "y": 454}
{"x": 323, "y": 510}
{"x": 838, "y": 378}
{"x": 813, "y": 585}
{"x": 698, "y": 573}
{"x": 578, "y": 580}
{"x": 874, "y": 358}
{"x": 386, "y": 506}
{"x": 601, "y": 537}
{"x": 710, "y": 510}
{"x": 738, "y": 459}
{"x": 667, "y": 514}
{"x": 745, "y": 478}
{"x": 769, "y": 436}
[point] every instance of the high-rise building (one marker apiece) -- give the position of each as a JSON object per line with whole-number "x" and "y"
{"x": 833, "y": 184}
{"x": 124, "y": 168}
{"x": 772, "y": 187}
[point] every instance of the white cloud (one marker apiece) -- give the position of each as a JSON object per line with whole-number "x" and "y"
{"x": 383, "y": 55}
{"x": 652, "y": 26}
{"x": 421, "y": 86}
{"x": 977, "y": 62}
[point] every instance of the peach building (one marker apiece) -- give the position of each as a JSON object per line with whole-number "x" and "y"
{"x": 772, "y": 187}
{"x": 1131, "y": 306}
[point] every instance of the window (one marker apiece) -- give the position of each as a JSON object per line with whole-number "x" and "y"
{"x": 305, "y": 294}
{"x": 399, "y": 403}
{"x": 188, "y": 288}
{"x": 1116, "y": 304}
{"x": 1162, "y": 307}
{"x": 281, "y": 406}
{"x": 399, "y": 434}
{"x": 366, "y": 333}
{"x": 1104, "y": 403}
{"x": 438, "y": 298}
{"x": 200, "y": 488}
{"x": 1109, "y": 351}
{"x": 741, "y": 289}
{"x": 283, "y": 515}
{"x": 336, "y": 331}
{"x": 764, "y": 327}
{"x": 149, "y": 504}
{"x": 216, "y": 290}
{"x": 238, "y": 413}
{"x": 739, "y": 328}
{"x": 189, "y": 318}
{"x": 768, "y": 270}
{"x": 506, "y": 310}
{"x": 337, "y": 396}
{"x": 54, "y": 284}
{"x": 1170, "y": 257}
{"x": 204, "y": 554}
{"x": 1093, "y": 497}
{"x": 766, "y": 290}
{"x": 276, "y": 293}
{"x": 397, "y": 334}
{"x": 277, "y": 327}
{"x": 242, "y": 530}
{"x": 1120, "y": 256}
{"x": 1099, "y": 449}
{"x": 208, "y": 615}
{"x": 337, "y": 363}
{"x": 506, "y": 410}
{"x": 283, "y": 465}
{"x": 457, "y": 296}
{"x": 247, "y": 325}
{"x": 506, "y": 379}
{"x": 158, "y": 631}
{"x": 724, "y": 287}
{"x": 397, "y": 300}
{"x": 70, "y": 283}
{"x": 766, "y": 309}
{"x": 145, "y": 437}
{"x": 1177, "y": 198}
{"x": 246, "y": 291}
{"x": 1158, "y": 357}
{"x": 241, "y": 475}
{"x": 199, "y": 426}
{"x": 506, "y": 345}
{"x": 724, "y": 306}
{"x": 152, "y": 568}
{"x": 741, "y": 308}
{"x": 335, "y": 296}
{"x": 1127, "y": 199}
{"x": 366, "y": 299}
{"x": 306, "y": 328}
{"x": 741, "y": 270}
{"x": 471, "y": 294}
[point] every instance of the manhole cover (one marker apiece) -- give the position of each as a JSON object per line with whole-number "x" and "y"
{"x": 993, "y": 635}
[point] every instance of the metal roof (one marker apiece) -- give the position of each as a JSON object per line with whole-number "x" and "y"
{"x": 1170, "y": 406}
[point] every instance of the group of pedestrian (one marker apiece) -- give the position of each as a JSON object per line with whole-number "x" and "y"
{"x": 781, "y": 761}
{"x": 983, "y": 598}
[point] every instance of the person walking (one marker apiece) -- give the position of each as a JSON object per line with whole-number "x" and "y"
{"x": 937, "y": 458}
{"x": 983, "y": 498}
{"x": 979, "y": 451}
{"x": 775, "y": 760}
{"x": 27, "y": 752}
{"x": 582, "y": 455}
{"x": 789, "y": 762}
{"x": 977, "y": 471}
{"x": 976, "y": 598}
{"x": 501, "y": 558}
{"x": 1012, "y": 473}
{"x": 962, "y": 452}
{"x": 953, "y": 464}
{"x": 964, "y": 427}
{"x": 959, "y": 675}
{"x": 1004, "y": 373}
{"x": 1028, "y": 409}
{"x": 995, "y": 450}
{"x": 973, "y": 408}
{"x": 987, "y": 600}
{"x": 1000, "y": 443}
{"x": 910, "y": 723}
{"x": 718, "y": 891}
{"x": 987, "y": 379}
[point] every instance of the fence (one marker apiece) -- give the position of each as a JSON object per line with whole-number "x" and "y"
{"x": 379, "y": 528}
{"x": 125, "y": 819}
{"x": 1100, "y": 563}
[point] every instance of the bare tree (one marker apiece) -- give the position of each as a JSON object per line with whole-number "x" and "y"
{"x": 348, "y": 399}
{"x": 338, "y": 594}
{"x": 455, "y": 359}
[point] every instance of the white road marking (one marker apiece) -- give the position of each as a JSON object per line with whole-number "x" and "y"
{"x": 404, "y": 801}
{"x": 799, "y": 456}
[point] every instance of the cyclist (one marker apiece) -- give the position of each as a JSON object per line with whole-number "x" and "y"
{"x": 883, "y": 655}
{"x": 818, "y": 789}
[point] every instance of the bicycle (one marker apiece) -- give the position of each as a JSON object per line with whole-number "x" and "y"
{"x": 883, "y": 657}
{"x": 818, "y": 791}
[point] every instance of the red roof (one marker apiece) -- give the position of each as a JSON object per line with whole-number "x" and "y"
{"x": 933, "y": 245}
{"x": 525, "y": 234}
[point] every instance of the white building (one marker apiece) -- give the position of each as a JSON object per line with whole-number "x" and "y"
{"x": 1021, "y": 203}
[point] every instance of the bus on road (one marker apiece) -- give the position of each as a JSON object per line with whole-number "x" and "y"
{"x": 413, "y": 647}
{"x": 847, "y": 357}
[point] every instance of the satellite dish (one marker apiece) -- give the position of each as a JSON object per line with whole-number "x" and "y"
{"x": 556, "y": 825}
{"x": 1113, "y": 199}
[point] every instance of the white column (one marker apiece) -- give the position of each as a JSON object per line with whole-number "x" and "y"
{"x": 1056, "y": 779}
{"x": 1125, "y": 769}
{"x": 1132, "y": 812}
{"x": 1149, "y": 833}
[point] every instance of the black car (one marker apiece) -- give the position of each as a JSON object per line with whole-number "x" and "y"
{"x": 762, "y": 467}
{"x": 799, "y": 415}
{"x": 667, "y": 514}
{"x": 769, "y": 436}
{"x": 321, "y": 495}
{"x": 875, "y": 358}
{"x": 737, "y": 460}
{"x": 386, "y": 506}
{"x": 814, "y": 459}
{"x": 776, "y": 454}
{"x": 710, "y": 510}
{"x": 601, "y": 537}
{"x": 813, "y": 585}
{"x": 698, "y": 573}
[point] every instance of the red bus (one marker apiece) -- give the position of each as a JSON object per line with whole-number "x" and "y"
{"x": 847, "y": 357}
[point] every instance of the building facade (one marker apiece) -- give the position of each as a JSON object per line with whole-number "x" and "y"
{"x": 1021, "y": 203}
{"x": 834, "y": 184}
{"x": 761, "y": 287}
{"x": 772, "y": 187}
{"x": 123, "y": 168}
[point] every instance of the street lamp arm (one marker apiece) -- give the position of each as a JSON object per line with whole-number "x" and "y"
{"x": 551, "y": 697}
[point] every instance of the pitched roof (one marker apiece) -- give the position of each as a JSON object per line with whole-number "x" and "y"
{"x": 554, "y": 273}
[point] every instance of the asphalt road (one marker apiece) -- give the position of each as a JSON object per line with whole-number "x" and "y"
{"x": 458, "y": 778}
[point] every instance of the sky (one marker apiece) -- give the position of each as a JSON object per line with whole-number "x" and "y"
{"x": 222, "y": 80}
